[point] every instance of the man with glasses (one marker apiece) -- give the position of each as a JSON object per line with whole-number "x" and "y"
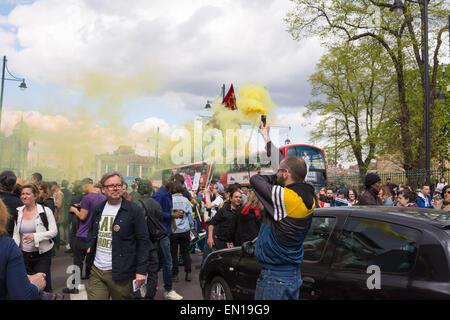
{"x": 288, "y": 205}
{"x": 88, "y": 203}
{"x": 118, "y": 244}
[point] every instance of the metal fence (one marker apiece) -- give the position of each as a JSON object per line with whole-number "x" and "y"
{"x": 415, "y": 179}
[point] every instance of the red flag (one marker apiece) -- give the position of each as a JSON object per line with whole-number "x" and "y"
{"x": 230, "y": 99}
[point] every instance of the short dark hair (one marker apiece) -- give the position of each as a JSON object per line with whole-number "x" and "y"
{"x": 8, "y": 180}
{"x": 178, "y": 178}
{"x": 296, "y": 167}
{"x": 177, "y": 187}
{"x": 37, "y": 176}
{"x": 408, "y": 194}
{"x": 53, "y": 183}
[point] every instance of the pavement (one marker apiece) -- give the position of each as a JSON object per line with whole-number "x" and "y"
{"x": 190, "y": 290}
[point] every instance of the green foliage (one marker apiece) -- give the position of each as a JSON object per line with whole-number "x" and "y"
{"x": 352, "y": 80}
{"x": 399, "y": 42}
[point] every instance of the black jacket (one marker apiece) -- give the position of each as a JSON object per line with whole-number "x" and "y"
{"x": 369, "y": 197}
{"x": 130, "y": 244}
{"x": 224, "y": 222}
{"x": 12, "y": 202}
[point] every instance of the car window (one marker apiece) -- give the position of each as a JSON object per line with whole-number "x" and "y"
{"x": 316, "y": 239}
{"x": 365, "y": 242}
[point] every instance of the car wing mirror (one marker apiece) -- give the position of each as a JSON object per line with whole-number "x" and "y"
{"x": 248, "y": 248}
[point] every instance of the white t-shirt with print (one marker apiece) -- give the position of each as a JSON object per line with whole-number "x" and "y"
{"x": 103, "y": 254}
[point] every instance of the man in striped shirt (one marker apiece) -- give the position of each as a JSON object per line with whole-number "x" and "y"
{"x": 288, "y": 205}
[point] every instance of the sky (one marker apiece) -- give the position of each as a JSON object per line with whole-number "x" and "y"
{"x": 141, "y": 64}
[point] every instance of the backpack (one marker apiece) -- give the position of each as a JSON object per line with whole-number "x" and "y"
{"x": 44, "y": 219}
{"x": 156, "y": 229}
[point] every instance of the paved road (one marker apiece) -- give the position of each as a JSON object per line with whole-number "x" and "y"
{"x": 189, "y": 290}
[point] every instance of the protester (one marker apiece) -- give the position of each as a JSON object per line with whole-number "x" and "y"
{"x": 406, "y": 198}
{"x": 45, "y": 197}
{"x": 125, "y": 194}
{"x": 248, "y": 222}
{"x": 213, "y": 200}
{"x": 197, "y": 211}
{"x": 36, "y": 178}
{"x": 14, "y": 282}
{"x": 352, "y": 197}
{"x": 118, "y": 244}
{"x": 442, "y": 183}
{"x": 341, "y": 198}
{"x": 67, "y": 218}
{"x": 59, "y": 210}
{"x": 164, "y": 198}
{"x": 134, "y": 194}
{"x": 330, "y": 197}
{"x": 181, "y": 230}
{"x": 159, "y": 254}
{"x": 33, "y": 233}
{"x": 289, "y": 204}
{"x": 369, "y": 197}
{"x": 446, "y": 198}
{"x": 11, "y": 200}
{"x": 424, "y": 197}
{"x": 392, "y": 187}
{"x": 88, "y": 203}
{"x": 222, "y": 227}
{"x": 386, "y": 196}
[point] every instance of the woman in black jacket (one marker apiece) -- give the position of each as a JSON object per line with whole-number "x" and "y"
{"x": 248, "y": 221}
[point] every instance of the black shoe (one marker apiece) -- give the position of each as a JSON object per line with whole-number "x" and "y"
{"x": 68, "y": 251}
{"x": 188, "y": 276}
{"x": 67, "y": 290}
{"x": 175, "y": 278}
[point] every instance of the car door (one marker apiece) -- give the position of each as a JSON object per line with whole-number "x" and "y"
{"x": 317, "y": 259}
{"x": 247, "y": 272}
{"x": 372, "y": 260}
{"x": 318, "y": 253}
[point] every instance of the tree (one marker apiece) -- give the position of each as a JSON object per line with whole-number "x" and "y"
{"x": 402, "y": 39}
{"x": 357, "y": 89}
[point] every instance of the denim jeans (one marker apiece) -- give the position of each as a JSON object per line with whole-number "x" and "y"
{"x": 278, "y": 285}
{"x": 165, "y": 261}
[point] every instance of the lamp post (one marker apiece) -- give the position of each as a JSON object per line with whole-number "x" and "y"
{"x": 208, "y": 102}
{"x": 398, "y": 8}
{"x": 22, "y": 85}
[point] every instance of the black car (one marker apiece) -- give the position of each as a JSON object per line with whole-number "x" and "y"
{"x": 343, "y": 249}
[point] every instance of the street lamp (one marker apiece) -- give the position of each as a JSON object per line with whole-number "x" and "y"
{"x": 208, "y": 102}
{"x": 22, "y": 85}
{"x": 398, "y": 8}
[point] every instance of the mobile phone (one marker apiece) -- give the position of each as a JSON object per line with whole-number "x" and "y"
{"x": 263, "y": 119}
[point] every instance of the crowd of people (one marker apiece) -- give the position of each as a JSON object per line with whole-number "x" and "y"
{"x": 41, "y": 218}
{"x": 120, "y": 240}
{"x": 389, "y": 194}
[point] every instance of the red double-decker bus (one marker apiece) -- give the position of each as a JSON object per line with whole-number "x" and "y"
{"x": 240, "y": 172}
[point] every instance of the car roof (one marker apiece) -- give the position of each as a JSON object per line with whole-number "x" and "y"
{"x": 438, "y": 218}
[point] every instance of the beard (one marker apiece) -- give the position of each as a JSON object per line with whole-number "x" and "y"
{"x": 281, "y": 181}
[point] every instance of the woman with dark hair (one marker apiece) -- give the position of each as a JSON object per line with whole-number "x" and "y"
{"x": 33, "y": 233}
{"x": 406, "y": 198}
{"x": 14, "y": 283}
{"x": 445, "y": 202}
{"x": 45, "y": 196}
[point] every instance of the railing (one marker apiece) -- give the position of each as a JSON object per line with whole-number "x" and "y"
{"x": 414, "y": 178}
